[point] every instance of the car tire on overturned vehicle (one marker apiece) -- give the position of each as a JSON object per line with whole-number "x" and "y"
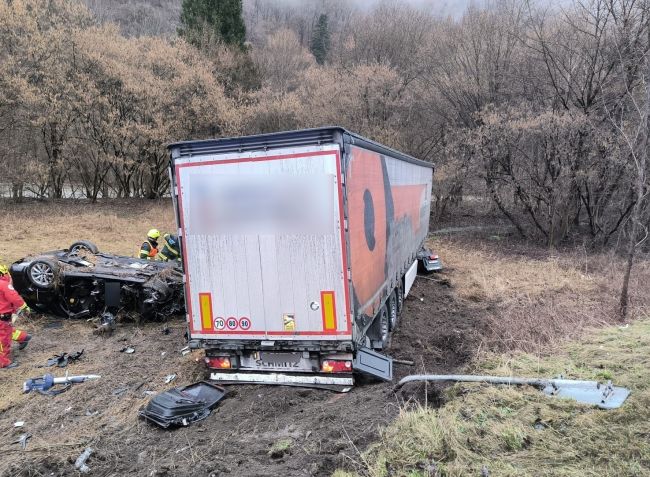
{"x": 83, "y": 245}
{"x": 43, "y": 273}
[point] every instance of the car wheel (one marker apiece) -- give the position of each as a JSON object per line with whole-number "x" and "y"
{"x": 82, "y": 246}
{"x": 43, "y": 273}
{"x": 392, "y": 310}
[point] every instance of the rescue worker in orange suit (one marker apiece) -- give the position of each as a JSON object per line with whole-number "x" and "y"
{"x": 170, "y": 250}
{"x": 149, "y": 248}
{"x": 10, "y": 303}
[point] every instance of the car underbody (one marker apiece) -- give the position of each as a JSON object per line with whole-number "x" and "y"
{"x": 83, "y": 282}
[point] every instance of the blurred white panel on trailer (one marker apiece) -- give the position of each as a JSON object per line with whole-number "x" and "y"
{"x": 263, "y": 244}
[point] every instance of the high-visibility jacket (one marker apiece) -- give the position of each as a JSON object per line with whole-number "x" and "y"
{"x": 170, "y": 250}
{"x": 10, "y": 300}
{"x": 148, "y": 250}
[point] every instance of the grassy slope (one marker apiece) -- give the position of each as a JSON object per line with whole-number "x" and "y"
{"x": 514, "y": 431}
{"x": 534, "y": 303}
{"x": 115, "y": 226}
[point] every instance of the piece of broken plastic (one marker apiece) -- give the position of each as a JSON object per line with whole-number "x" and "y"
{"x": 183, "y": 405}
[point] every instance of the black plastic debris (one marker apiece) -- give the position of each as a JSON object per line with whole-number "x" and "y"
{"x": 62, "y": 360}
{"x": 107, "y": 321}
{"x": 183, "y": 405}
{"x": 120, "y": 391}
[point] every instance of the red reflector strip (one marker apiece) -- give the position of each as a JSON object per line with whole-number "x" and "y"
{"x": 328, "y": 310}
{"x": 205, "y": 307}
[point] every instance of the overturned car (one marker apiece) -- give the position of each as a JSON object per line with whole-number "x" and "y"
{"x": 81, "y": 282}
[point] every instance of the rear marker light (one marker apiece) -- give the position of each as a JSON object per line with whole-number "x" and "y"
{"x": 334, "y": 366}
{"x": 433, "y": 257}
{"x": 218, "y": 362}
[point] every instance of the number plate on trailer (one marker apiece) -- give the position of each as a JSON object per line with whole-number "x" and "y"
{"x": 277, "y": 358}
{"x": 276, "y": 361}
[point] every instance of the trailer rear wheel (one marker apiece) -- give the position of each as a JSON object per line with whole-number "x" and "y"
{"x": 393, "y": 314}
{"x": 383, "y": 326}
{"x": 399, "y": 292}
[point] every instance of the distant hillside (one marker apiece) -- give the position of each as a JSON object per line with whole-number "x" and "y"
{"x": 139, "y": 17}
{"x": 160, "y": 17}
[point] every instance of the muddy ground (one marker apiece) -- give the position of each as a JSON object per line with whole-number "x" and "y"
{"x": 256, "y": 431}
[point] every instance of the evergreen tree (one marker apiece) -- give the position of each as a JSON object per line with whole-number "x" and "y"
{"x": 208, "y": 20}
{"x": 320, "y": 40}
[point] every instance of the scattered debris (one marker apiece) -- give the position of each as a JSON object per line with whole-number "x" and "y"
{"x": 184, "y": 405}
{"x": 107, "y": 323}
{"x": 80, "y": 463}
{"x": 62, "y": 360}
{"x": 22, "y": 440}
{"x": 120, "y": 391}
{"x": 45, "y": 384}
{"x": 90, "y": 413}
{"x": 603, "y": 395}
{"x": 185, "y": 351}
{"x": 169, "y": 378}
{"x": 19, "y": 423}
{"x": 404, "y": 361}
{"x": 166, "y": 330}
{"x": 127, "y": 350}
{"x": 149, "y": 393}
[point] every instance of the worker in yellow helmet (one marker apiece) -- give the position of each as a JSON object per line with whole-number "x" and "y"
{"x": 149, "y": 248}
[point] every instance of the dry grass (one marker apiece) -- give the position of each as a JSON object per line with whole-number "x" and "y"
{"x": 114, "y": 226}
{"x": 511, "y": 431}
{"x": 532, "y": 303}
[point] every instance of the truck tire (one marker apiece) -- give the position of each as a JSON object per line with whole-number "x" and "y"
{"x": 43, "y": 273}
{"x": 383, "y": 327}
{"x": 81, "y": 245}
{"x": 399, "y": 294}
{"x": 393, "y": 314}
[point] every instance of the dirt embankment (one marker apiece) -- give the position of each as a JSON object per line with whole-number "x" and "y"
{"x": 257, "y": 430}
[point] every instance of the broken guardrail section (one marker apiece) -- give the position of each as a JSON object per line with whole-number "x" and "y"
{"x": 603, "y": 395}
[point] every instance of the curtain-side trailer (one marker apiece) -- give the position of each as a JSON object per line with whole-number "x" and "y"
{"x": 298, "y": 249}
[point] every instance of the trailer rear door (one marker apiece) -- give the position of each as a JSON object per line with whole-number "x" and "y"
{"x": 264, "y": 245}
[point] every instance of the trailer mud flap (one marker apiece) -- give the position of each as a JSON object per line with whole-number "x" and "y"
{"x": 375, "y": 364}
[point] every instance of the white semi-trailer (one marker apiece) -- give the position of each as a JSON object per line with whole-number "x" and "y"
{"x": 298, "y": 250}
